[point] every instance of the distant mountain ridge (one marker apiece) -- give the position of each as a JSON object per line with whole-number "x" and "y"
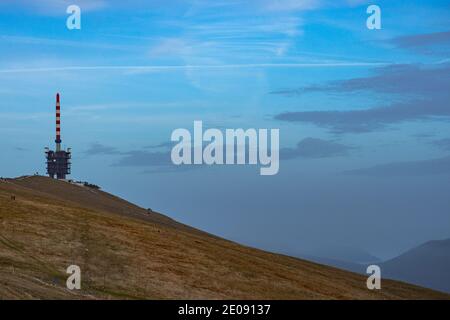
{"x": 427, "y": 265}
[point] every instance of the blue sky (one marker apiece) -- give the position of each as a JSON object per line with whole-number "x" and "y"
{"x": 363, "y": 114}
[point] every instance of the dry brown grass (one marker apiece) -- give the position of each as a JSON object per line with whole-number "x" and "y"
{"x": 124, "y": 252}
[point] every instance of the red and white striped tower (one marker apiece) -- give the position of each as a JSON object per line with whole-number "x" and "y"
{"x": 58, "y": 124}
{"x": 58, "y": 161}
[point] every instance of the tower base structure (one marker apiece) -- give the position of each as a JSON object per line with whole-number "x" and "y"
{"x": 58, "y": 163}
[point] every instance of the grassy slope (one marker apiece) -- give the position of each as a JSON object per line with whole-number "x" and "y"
{"x": 124, "y": 252}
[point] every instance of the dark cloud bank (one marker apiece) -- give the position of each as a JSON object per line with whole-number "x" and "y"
{"x": 443, "y": 143}
{"x": 437, "y": 43}
{"x": 438, "y": 166}
{"x": 314, "y": 148}
{"x": 425, "y": 91}
{"x": 160, "y": 161}
{"x": 420, "y": 40}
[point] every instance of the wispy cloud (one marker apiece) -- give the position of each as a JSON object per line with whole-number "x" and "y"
{"x": 248, "y": 28}
{"x": 153, "y": 161}
{"x": 44, "y": 42}
{"x": 315, "y": 148}
{"x": 292, "y": 5}
{"x": 424, "y": 135}
{"x": 163, "y": 145}
{"x": 187, "y": 67}
{"x": 408, "y": 168}
{"x": 54, "y": 7}
{"x": 430, "y": 43}
{"x": 100, "y": 149}
{"x": 158, "y": 161}
{"x": 241, "y": 31}
{"x": 401, "y": 78}
{"x": 139, "y": 158}
{"x": 443, "y": 143}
